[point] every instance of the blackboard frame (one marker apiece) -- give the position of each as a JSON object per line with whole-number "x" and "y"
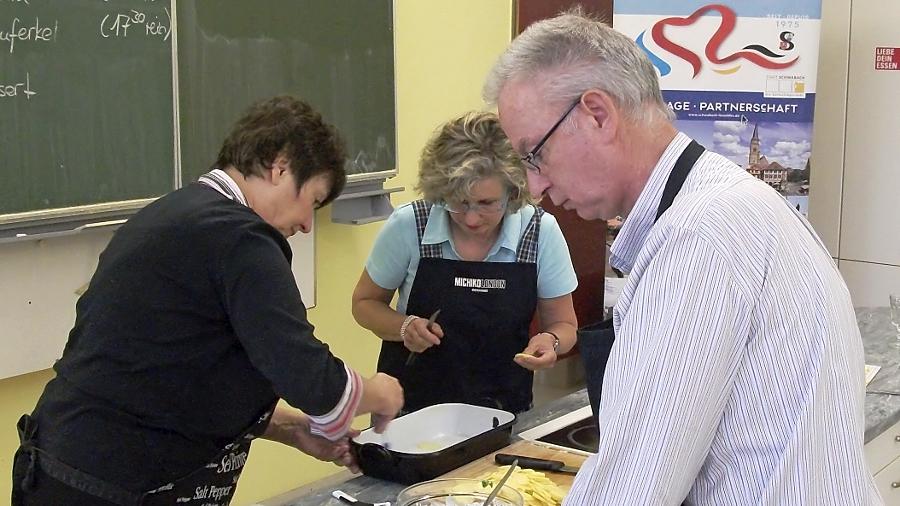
{"x": 42, "y": 223}
{"x": 48, "y": 223}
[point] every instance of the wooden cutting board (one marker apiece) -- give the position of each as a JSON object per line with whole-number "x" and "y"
{"x": 486, "y": 464}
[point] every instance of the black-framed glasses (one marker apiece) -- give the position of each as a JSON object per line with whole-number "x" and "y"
{"x": 531, "y": 156}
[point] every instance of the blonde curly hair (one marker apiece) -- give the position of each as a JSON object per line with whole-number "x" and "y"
{"x": 465, "y": 150}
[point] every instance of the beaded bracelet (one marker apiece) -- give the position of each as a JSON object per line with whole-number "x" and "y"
{"x": 555, "y": 340}
{"x": 406, "y": 323}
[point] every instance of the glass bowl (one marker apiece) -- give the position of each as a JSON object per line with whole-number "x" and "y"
{"x": 456, "y": 492}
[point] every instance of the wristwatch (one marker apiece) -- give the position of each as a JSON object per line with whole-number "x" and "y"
{"x": 555, "y": 341}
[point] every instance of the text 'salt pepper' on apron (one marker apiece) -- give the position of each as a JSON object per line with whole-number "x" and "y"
{"x": 595, "y": 341}
{"x": 486, "y": 309}
{"x": 212, "y": 484}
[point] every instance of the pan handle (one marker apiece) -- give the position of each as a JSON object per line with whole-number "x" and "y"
{"x": 375, "y": 455}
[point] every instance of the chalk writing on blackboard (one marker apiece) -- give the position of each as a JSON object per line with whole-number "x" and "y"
{"x": 136, "y": 22}
{"x": 74, "y": 76}
{"x": 29, "y": 30}
{"x": 96, "y": 121}
{"x": 21, "y": 88}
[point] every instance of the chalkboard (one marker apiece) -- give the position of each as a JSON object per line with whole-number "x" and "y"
{"x": 85, "y": 101}
{"x": 89, "y": 116}
{"x": 336, "y": 54}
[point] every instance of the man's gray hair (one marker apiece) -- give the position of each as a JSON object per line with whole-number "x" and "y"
{"x": 572, "y": 53}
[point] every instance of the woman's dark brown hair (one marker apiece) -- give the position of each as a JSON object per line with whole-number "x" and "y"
{"x": 288, "y": 126}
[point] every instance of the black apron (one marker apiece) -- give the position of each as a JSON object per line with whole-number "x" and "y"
{"x": 595, "y": 341}
{"x": 486, "y": 309}
{"x": 212, "y": 484}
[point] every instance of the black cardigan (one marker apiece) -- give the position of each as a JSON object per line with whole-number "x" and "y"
{"x": 192, "y": 325}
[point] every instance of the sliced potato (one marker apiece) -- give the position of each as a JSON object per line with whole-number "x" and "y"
{"x": 535, "y": 487}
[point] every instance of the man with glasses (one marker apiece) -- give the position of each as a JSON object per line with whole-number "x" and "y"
{"x": 736, "y": 374}
{"x": 476, "y": 249}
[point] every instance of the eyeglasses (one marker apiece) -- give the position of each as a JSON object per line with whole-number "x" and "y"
{"x": 531, "y": 156}
{"x": 481, "y": 208}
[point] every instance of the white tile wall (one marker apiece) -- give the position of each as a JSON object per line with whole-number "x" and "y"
{"x": 855, "y": 179}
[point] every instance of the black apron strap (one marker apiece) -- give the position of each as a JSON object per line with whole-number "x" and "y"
{"x": 595, "y": 341}
{"x": 678, "y": 176}
{"x": 594, "y": 346}
{"x": 24, "y": 478}
{"x": 527, "y": 250}
{"x": 421, "y": 210}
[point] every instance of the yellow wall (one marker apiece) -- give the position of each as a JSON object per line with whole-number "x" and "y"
{"x": 443, "y": 51}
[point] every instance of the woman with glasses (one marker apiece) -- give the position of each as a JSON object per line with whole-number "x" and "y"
{"x": 477, "y": 250}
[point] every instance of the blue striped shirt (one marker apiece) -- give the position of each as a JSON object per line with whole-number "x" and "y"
{"x": 736, "y": 377}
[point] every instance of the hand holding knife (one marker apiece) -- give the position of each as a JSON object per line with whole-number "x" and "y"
{"x": 412, "y": 355}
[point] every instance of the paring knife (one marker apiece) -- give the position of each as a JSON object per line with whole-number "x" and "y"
{"x": 493, "y": 495}
{"x": 412, "y": 355}
{"x": 349, "y": 499}
{"x": 537, "y": 464}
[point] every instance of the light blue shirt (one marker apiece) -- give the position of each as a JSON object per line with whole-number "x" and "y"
{"x": 395, "y": 256}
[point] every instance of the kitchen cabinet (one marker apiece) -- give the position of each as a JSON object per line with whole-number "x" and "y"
{"x": 884, "y": 451}
{"x": 870, "y": 283}
{"x": 888, "y": 483}
{"x": 886, "y": 448}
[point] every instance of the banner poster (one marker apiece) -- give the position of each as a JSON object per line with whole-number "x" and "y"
{"x": 740, "y": 77}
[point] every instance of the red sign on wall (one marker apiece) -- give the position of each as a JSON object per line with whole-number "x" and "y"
{"x": 887, "y": 58}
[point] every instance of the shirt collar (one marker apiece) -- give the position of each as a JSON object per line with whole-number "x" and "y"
{"x": 220, "y": 181}
{"x": 638, "y": 223}
{"x": 437, "y": 230}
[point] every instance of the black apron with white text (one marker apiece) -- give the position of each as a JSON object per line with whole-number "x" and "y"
{"x": 212, "y": 484}
{"x": 486, "y": 309}
{"x": 40, "y": 478}
{"x": 595, "y": 341}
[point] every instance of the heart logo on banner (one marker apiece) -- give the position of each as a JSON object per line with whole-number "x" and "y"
{"x": 758, "y": 54}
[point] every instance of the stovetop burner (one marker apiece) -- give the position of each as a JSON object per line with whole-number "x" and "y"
{"x": 582, "y": 435}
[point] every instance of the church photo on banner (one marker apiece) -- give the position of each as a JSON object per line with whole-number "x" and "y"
{"x": 740, "y": 77}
